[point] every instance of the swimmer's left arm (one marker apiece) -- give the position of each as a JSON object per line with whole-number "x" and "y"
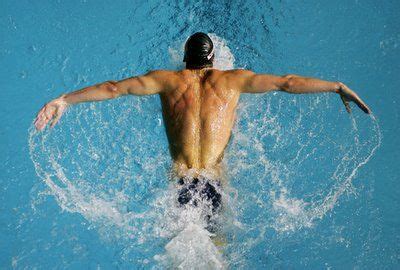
{"x": 153, "y": 82}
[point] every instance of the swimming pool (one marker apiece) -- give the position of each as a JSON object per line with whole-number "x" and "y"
{"x": 310, "y": 186}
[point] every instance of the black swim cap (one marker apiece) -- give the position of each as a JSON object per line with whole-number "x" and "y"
{"x": 199, "y": 51}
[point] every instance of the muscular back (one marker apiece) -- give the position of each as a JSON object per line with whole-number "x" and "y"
{"x": 199, "y": 114}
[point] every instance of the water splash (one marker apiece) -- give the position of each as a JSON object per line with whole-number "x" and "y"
{"x": 111, "y": 168}
{"x": 192, "y": 248}
{"x": 277, "y": 180}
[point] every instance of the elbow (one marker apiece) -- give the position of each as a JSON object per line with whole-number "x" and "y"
{"x": 288, "y": 82}
{"x": 111, "y": 88}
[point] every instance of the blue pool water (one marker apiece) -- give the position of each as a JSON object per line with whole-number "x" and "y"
{"x": 310, "y": 186}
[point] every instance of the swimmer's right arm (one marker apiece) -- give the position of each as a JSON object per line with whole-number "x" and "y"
{"x": 153, "y": 82}
{"x": 251, "y": 82}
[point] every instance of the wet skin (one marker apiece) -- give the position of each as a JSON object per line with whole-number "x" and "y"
{"x": 199, "y": 116}
{"x": 198, "y": 106}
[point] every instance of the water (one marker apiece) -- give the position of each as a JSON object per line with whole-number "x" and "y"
{"x": 310, "y": 186}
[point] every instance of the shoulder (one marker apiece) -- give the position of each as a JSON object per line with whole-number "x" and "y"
{"x": 239, "y": 73}
{"x": 229, "y": 75}
{"x": 237, "y": 78}
{"x": 161, "y": 73}
{"x": 229, "y": 79}
{"x": 155, "y": 81}
{"x": 164, "y": 78}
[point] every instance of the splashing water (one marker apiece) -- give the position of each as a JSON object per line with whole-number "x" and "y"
{"x": 111, "y": 168}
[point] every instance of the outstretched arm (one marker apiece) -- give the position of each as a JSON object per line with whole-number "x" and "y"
{"x": 261, "y": 83}
{"x": 151, "y": 83}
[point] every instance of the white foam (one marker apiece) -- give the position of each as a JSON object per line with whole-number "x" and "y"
{"x": 192, "y": 248}
{"x": 224, "y": 59}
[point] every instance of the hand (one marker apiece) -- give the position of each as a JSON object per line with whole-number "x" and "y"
{"x": 347, "y": 95}
{"x": 51, "y": 111}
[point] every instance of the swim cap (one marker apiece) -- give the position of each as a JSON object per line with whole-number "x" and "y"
{"x": 199, "y": 51}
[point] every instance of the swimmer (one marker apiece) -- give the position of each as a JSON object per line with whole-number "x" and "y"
{"x": 198, "y": 105}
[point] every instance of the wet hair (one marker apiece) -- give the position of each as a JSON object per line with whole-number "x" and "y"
{"x": 199, "y": 51}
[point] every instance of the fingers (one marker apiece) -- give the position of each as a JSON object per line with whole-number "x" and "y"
{"x": 41, "y": 122}
{"x": 345, "y": 103}
{"x": 44, "y": 116}
{"x": 349, "y": 95}
{"x": 39, "y": 119}
{"x": 56, "y": 119}
{"x": 362, "y": 105}
{"x": 51, "y": 111}
{"x": 39, "y": 115}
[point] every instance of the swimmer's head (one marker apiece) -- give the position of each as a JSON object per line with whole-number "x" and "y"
{"x": 199, "y": 51}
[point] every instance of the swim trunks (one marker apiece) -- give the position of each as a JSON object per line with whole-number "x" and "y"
{"x": 202, "y": 189}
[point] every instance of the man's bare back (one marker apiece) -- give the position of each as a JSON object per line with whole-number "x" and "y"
{"x": 199, "y": 115}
